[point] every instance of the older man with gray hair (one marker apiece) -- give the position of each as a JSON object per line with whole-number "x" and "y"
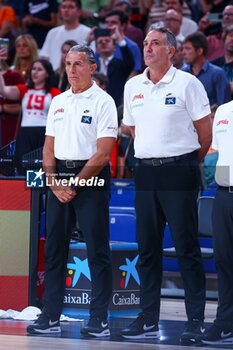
{"x": 80, "y": 134}
{"x": 172, "y": 135}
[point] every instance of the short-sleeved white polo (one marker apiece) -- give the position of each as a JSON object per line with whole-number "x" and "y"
{"x": 77, "y": 120}
{"x": 223, "y": 142}
{"x": 163, "y": 113}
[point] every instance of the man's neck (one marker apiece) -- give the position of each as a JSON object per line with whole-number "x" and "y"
{"x": 197, "y": 66}
{"x": 71, "y": 26}
{"x": 79, "y": 89}
{"x": 228, "y": 57}
{"x": 155, "y": 74}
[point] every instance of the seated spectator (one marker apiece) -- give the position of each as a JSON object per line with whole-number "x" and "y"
{"x": 178, "y": 58}
{"x": 9, "y": 110}
{"x": 173, "y": 20}
{"x": 35, "y": 97}
{"x": 226, "y": 61}
{"x": 212, "y": 77}
{"x": 117, "y": 70}
{"x": 26, "y": 53}
{"x": 39, "y": 17}
{"x": 132, "y": 32}
{"x": 188, "y": 26}
{"x": 215, "y": 42}
{"x": 159, "y": 8}
{"x": 101, "y": 80}
{"x": 61, "y": 80}
{"x": 117, "y": 20}
{"x": 71, "y": 29}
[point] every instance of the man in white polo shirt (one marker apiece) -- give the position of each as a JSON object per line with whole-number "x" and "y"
{"x": 221, "y": 331}
{"x": 80, "y": 134}
{"x": 168, "y": 112}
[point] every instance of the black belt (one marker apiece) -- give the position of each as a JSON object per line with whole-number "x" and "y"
{"x": 71, "y": 164}
{"x": 226, "y": 188}
{"x": 161, "y": 161}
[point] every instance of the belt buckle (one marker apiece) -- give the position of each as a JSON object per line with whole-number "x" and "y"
{"x": 70, "y": 164}
{"x": 230, "y": 189}
{"x": 156, "y": 162}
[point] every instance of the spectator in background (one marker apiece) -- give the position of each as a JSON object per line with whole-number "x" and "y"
{"x": 101, "y": 80}
{"x": 71, "y": 29}
{"x": 173, "y": 20}
{"x": 35, "y": 97}
{"x": 215, "y": 42}
{"x": 9, "y": 110}
{"x": 117, "y": 20}
{"x": 26, "y": 53}
{"x": 226, "y": 61}
{"x": 212, "y": 77}
{"x": 116, "y": 69}
{"x": 132, "y": 32}
{"x": 61, "y": 80}
{"x": 178, "y": 58}
{"x": 39, "y": 17}
{"x": 188, "y": 26}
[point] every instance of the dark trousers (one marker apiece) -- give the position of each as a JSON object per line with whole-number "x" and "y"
{"x": 91, "y": 206}
{"x": 168, "y": 193}
{"x": 223, "y": 253}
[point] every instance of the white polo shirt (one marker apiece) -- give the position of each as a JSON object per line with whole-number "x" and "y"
{"x": 77, "y": 120}
{"x": 163, "y": 113}
{"x": 223, "y": 142}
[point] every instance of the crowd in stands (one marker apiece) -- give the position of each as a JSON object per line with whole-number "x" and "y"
{"x": 38, "y": 30}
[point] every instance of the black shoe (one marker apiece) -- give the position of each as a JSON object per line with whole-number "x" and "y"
{"x": 141, "y": 328}
{"x": 43, "y": 325}
{"x": 217, "y": 335}
{"x": 193, "y": 330}
{"x": 96, "y": 327}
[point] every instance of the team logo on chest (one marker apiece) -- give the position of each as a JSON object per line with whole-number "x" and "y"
{"x": 170, "y": 100}
{"x": 86, "y": 119}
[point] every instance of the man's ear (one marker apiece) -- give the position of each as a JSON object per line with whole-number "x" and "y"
{"x": 171, "y": 51}
{"x": 93, "y": 68}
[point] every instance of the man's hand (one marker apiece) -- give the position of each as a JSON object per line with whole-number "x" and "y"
{"x": 63, "y": 194}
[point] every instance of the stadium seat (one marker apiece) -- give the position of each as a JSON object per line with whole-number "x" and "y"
{"x": 122, "y": 227}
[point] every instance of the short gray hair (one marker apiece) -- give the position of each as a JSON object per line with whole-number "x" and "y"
{"x": 170, "y": 37}
{"x": 84, "y": 48}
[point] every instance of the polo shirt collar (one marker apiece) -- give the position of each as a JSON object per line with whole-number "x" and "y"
{"x": 87, "y": 93}
{"x": 166, "y": 79}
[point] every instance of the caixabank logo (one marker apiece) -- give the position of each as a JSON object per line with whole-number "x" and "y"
{"x": 126, "y": 280}
{"x": 126, "y": 283}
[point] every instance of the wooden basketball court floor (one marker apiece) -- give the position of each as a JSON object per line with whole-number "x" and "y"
{"x": 13, "y": 333}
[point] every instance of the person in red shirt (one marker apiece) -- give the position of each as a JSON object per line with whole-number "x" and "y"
{"x": 35, "y": 97}
{"x": 9, "y": 110}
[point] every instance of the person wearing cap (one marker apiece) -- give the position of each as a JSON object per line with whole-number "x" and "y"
{"x": 172, "y": 134}
{"x": 80, "y": 135}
